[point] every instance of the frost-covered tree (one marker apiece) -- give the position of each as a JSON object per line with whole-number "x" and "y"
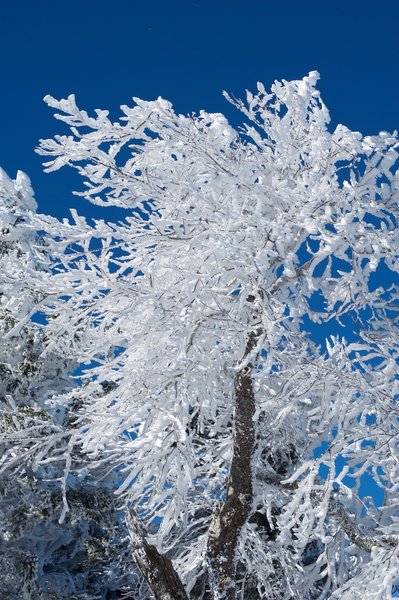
{"x": 40, "y": 556}
{"x": 240, "y": 436}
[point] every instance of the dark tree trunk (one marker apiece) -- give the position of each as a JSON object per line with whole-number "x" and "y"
{"x": 236, "y": 508}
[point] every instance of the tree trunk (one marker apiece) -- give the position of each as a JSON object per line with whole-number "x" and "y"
{"x": 236, "y": 508}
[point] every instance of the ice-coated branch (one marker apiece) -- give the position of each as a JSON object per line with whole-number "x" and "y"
{"x": 157, "y": 568}
{"x": 338, "y": 512}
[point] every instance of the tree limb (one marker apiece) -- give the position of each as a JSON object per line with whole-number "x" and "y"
{"x": 158, "y": 570}
{"x": 337, "y": 511}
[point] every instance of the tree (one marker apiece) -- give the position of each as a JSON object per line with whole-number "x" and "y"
{"x": 241, "y": 437}
{"x": 40, "y": 556}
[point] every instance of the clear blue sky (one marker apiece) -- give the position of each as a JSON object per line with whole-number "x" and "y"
{"x": 187, "y": 51}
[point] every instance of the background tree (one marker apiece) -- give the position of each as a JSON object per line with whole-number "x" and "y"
{"x": 240, "y": 445}
{"x": 41, "y": 556}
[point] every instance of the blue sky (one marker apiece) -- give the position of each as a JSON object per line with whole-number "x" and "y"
{"x": 187, "y": 51}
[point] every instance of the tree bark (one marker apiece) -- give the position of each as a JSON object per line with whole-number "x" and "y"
{"x": 236, "y": 508}
{"x": 158, "y": 570}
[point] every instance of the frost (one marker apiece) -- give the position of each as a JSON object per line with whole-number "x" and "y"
{"x": 276, "y": 233}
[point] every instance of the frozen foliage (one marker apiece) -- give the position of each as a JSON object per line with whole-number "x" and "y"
{"x": 240, "y": 446}
{"x": 41, "y": 558}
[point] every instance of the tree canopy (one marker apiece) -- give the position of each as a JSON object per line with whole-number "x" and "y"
{"x": 221, "y": 365}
